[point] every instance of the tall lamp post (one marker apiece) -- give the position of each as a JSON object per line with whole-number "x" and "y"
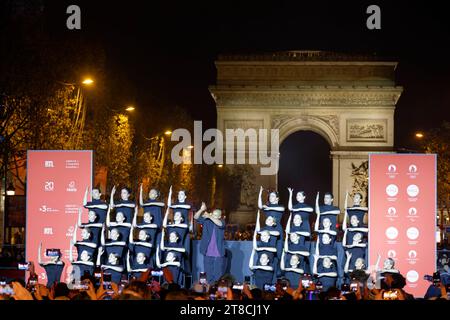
{"x": 80, "y": 110}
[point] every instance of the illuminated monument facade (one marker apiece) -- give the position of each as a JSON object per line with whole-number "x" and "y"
{"x": 348, "y": 99}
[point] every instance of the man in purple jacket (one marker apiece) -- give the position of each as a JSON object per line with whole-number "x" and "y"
{"x": 212, "y": 244}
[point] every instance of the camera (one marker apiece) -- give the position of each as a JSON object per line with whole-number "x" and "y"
{"x": 223, "y": 289}
{"x": 345, "y": 288}
{"x": 238, "y": 286}
{"x": 284, "y": 283}
{"x": 390, "y": 295}
{"x": 319, "y": 285}
{"x": 81, "y": 286}
{"x": 123, "y": 284}
{"x": 23, "y": 266}
{"x": 107, "y": 281}
{"x": 436, "y": 279}
{"x": 202, "y": 278}
{"x": 269, "y": 287}
{"x": 354, "y": 286}
{"x": 157, "y": 273}
{"x": 306, "y": 283}
{"x": 6, "y": 289}
{"x": 53, "y": 252}
{"x": 428, "y": 278}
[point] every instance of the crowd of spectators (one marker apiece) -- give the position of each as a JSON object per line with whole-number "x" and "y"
{"x": 391, "y": 287}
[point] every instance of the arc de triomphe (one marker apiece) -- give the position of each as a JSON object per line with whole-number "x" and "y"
{"x": 349, "y": 100}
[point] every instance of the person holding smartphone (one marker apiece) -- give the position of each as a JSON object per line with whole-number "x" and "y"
{"x": 212, "y": 243}
{"x": 53, "y": 267}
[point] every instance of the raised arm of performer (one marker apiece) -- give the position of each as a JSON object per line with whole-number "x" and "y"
{"x": 134, "y": 223}
{"x": 344, "y": 223}
{"x": 74, "y": 236}
{"x": 79, "y": 217}
{"x": 86, "y": 196}
{"x": 377, "y": 264}
{"x": 344, "y": 239}
{"x": 39, "y": 253}
{"x": 158, "y": 262}
{"x": 255, "y": 244}
{"x": 128, "y": 261}
{"x": 200, "y": 211}
{"x": 250, "y": 262}
{"x": 108, "y": 217}
{"x": 317, "y": 204}
{"x": 166, "y": 217}
{"x": 102, "y": 236}
{"x": 317, "y": 223}
{"x": 130, "y": 237}
{"x": 169, "y": 198}
{"x": 317, "y": 245}
{"x": 316, "y": 259}
{"x": 290, "y": 207}
{"x": 141, "y": 198}
{"x": 282, "y": 261}
{"x": 288, "y": 224}
{"x": 286, "y": 245}
{"x": 260, "y": 203}
{"x": 111, "y": 202}
{"x": 161, "y": 244}
{"x": 71, "y": 250}
{"x": 347, "y": 262}
{"x": 99, "y": 255}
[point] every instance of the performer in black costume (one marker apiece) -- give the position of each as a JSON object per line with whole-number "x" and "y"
{"x": 94, "y": 227}
{"x": 124, "y": 205}
{"x": 115, "y": 248}
{"x": 327, "y": 215}
{"x": 96, "y": 205}
{"x": 275, "y": 211}
{"x": 301, "y": 213}
{"x": 86, "y": 249}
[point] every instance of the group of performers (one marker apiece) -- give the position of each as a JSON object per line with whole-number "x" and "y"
{"x": 295, "y": 256}
{"x": 114, "y": 239}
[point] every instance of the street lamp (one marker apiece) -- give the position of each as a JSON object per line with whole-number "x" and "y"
{"x": 87, "y": 81}
{"x": 190, "y": 147}
{"x": 130, "y": 108}
{"x": 168, "y": 133}
{"x": 419, "y": 135}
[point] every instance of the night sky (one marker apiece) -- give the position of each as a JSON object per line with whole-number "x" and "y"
{"x": 164, "y": 54}
{"x": 161, "y": 53}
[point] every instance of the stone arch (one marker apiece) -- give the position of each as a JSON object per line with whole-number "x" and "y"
{"x": 313, "y": 124}
{"x": 349, "y": 100}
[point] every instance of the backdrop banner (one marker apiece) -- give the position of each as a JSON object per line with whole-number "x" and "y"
{"x": 56, "y": 182}
{"x": 402, "y": 215}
